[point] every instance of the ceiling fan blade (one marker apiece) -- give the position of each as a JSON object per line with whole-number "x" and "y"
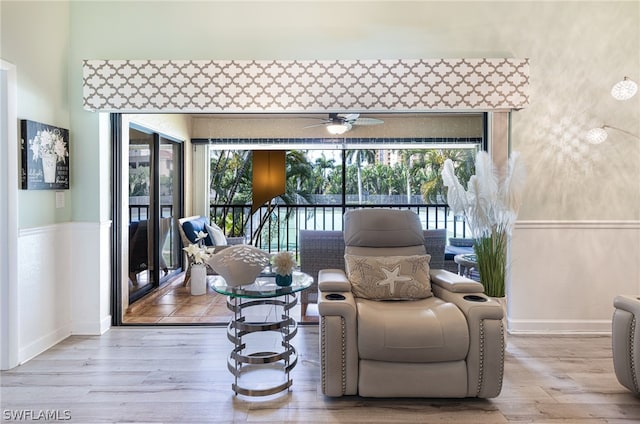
{"x": 322, "y": 124}
{"x": 368, "y": 121}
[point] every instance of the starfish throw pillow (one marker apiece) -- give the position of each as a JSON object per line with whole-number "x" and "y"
{"x": 389, "y": 277}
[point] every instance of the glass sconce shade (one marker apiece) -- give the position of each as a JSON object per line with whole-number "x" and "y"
{"x": 596, "y": 135}
{"x": 624, "y": 90}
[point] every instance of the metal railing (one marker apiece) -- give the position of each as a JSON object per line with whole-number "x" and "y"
{"x": 141, "y": 212}
{"x": 275, "y": 228}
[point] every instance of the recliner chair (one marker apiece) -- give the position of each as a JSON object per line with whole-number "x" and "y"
{"x": 389, "y": 327}
{"x": 625, "y": 341}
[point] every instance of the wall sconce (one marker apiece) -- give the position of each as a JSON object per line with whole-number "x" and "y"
{"x": 269, "y": 176}
{"x": 599, "y": 135}
{"x": 624, "y": 90}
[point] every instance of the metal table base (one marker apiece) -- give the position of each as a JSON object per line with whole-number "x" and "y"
{"x": 240, "y": 360}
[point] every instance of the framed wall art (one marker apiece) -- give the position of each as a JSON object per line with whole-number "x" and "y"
{"x": 45, "y": 156}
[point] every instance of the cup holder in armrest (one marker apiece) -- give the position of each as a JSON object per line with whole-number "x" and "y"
{"x": 474, "y": 298}
{"x": 335, "y": 296}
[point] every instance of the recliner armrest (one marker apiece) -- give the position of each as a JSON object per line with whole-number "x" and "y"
{"x": 338, "y": 334}
{"x": 628, "y": 303}
{"x": 453, "y": 282}
{"x": 333, "y": 280}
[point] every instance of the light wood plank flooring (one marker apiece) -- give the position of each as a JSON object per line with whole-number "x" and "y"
{"x": 179, "y": 375}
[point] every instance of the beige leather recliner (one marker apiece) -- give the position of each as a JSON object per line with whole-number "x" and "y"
{"x": 625, "y": 340}
{"x": 448, "y": 345}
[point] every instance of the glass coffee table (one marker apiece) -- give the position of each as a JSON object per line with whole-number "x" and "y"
{"x": 243, "y": 359}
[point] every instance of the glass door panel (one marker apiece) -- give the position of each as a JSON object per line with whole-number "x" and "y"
{"x": 141, "y": 232}
{"x": 170, "y": 202}
{"x": 155, "y": 204}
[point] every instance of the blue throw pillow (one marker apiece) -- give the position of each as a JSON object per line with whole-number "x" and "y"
{"x": 195, "y": 226}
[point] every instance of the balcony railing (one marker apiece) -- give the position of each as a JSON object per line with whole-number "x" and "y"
{"x": 281, "y": 223}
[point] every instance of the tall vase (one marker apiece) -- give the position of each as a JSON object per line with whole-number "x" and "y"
{"x": 198, "y": 279}
{"x": 49, "y": 161}
{"x": 491, "y": 255}
{"x": 492, "y": 262}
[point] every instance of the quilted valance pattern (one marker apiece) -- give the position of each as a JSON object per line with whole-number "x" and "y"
{"x": 255, "y": 86}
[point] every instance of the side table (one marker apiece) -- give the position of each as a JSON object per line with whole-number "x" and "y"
{"x": 466, "y": 262}
{"x": 243, "y": 358}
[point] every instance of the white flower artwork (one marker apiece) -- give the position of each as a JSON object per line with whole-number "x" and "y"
{"x": 45, "y": 156}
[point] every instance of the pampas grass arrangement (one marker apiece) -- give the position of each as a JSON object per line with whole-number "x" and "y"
{"x": 490, "y": 207}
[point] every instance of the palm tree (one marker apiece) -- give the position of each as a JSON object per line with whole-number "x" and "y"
{"x": 406, "y": 156}
{"x": 433, "y": 190}
{"x": 231, "y": 185}
{"x": 321, "y": 172}
{"x": 360, "y": 156}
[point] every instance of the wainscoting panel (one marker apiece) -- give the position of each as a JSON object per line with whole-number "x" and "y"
{"x": 59, "y": 273}
{"x": 44, "y": 288}
{"x": 91, "y": 277}
{"x": 564, "y": 275}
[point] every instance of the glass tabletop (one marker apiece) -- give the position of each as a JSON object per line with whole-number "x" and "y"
{"x": 263, "y": 287}
{"x": 471, "y": 257}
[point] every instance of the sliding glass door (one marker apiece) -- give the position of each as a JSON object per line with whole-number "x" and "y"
{"x": 155, "y": 204}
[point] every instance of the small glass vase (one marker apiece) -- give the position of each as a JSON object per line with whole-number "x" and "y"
{"x": 284, "y": 280}
{"x": 198, "y": 279}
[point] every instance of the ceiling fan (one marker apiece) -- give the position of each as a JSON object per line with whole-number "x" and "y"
{"x": 340, "y": 123}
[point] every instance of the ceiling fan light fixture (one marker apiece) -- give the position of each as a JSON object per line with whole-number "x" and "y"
{"x": 625, "y": 89}
{"x": 338, "y": 128}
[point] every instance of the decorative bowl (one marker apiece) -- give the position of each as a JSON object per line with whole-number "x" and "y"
{"x": 239, "y": 264}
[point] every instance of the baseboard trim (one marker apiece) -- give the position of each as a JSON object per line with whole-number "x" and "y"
{"x": 542, "y": 326}
{"x": 105, "y": 324}
{"x": 93, "y": 328}
{"x": 43, "y": 343}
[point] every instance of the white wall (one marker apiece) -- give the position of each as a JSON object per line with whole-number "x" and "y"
{"x": 44, "y": 292}
{"x": 8, "y": 217}
{"x": 566, "y": 273}
{"x": 35, "y": 38}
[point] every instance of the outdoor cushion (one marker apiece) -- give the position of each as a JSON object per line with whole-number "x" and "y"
{"x": 191, "y": 228}
{"x": 461, "y": 242}
{"x": 216, "y": 234}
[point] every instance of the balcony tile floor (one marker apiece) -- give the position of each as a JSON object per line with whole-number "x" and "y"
{"x": 174, "y": 304}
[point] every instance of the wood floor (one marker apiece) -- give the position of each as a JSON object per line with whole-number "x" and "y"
{"x": 179, "y": 375}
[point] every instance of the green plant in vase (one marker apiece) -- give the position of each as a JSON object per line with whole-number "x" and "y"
{"x": 489, "y": 206}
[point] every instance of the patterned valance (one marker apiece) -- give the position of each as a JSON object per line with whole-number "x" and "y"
{"x": 314, "y": 86}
